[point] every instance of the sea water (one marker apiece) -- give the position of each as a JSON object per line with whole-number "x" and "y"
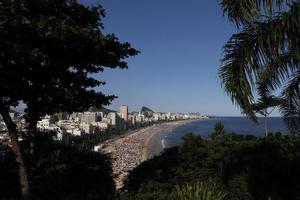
{"x": 239, "y": 125}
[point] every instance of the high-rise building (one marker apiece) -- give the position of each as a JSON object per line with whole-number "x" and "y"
{"x": 113, "y": 118}
{"x": 124, "y": 116}
{"x": 86, "y": 128}
{"x": 88, "y": 117}
{"x": 131, "y": 120}
{"x": 99, "y": 116}
{"x": 124, "y": 112}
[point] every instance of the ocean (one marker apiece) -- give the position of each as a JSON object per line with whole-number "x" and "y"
{"x": 239, "y": 125}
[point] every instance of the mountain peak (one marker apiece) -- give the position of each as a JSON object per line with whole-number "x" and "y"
{"x": 146, "y": 109}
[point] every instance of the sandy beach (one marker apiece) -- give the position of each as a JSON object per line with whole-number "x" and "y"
{"x": 129, "y": 151}
{"x": 155, "y": 131}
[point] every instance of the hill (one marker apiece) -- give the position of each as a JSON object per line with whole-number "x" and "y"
{"x": 147, "y": 111}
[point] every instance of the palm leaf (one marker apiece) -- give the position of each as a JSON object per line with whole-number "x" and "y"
{"x": 200, "y": 191}
{"x": 250, "y": 56}
{"x": 243, "y": 12}
{"x": 290, "y": 109}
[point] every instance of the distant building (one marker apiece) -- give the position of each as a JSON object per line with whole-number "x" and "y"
{"x": 67, "y": 124}
{"x": 156, "y": 116}
{"x": 74, "y": 132}
{"x": 88, "y": 117}
{"x": 43, "y": 124}
{"x": 115, "y": 120}
{"x": 124, "y": 116}
{"x": 99, "y": 116}
{"x": 139, "y": 118}
{"x": 132, "y": 120}
{"x": 86, "y": 128}
{"x": 103, "y": 125}
{"x": 124, "y": 112}
{"x": 106, "y": 120}
{"x": 75, "y": 116}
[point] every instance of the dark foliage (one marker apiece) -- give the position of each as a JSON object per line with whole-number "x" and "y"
{"x": 246, "y": 167}
{"x": 49, "y": 50}
{"x": 60, "y": 172}
{"x": 218, "y": 132}
{"x": 157, "y": 168}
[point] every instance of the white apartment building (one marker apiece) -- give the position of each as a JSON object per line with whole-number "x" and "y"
{"x": 86, "y": 128}
{"x": 88, "y": 117}
{"x": 43, "y": 124}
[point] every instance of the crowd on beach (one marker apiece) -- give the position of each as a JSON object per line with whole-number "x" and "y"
{"x": 129, "y": 151}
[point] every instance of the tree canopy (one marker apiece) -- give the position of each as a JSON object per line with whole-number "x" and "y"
{"x": 264, "y": 53}
{"x": 49, "y": 51}
{"x": 59, "y": 172}
{"x": 218, "y": 132}
{"x": 251, "y": 169}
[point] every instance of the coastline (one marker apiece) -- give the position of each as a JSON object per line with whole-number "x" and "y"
{"x": 166, "y": 127}
{"x": 129, "y": 151}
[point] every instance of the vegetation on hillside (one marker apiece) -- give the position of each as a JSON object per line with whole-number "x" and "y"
{"x": 243, "y": 167}
{"x": 58, "y": 172}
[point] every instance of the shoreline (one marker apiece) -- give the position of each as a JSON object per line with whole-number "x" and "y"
{"x": 129, "y": 151}
{"x": 170, "y": 126}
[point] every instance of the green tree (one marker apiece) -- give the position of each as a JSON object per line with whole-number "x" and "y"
{"x": 200, "y": 191}
{"x": 264, "y": 53}
{"x": 265, "y": 105}
{"x": 59, "y": 172}
{"x": 49, "y": 50}
{"x": 218, "y": 132}
{"x": 218, "y": 135}
{"x": 252, "y": 169}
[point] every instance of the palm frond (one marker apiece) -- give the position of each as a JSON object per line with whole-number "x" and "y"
{"x": 274, "y": 74}
{"x": 243, "y": 12}
{"x": 252, "y": 51}
{"x": 290, "y": 108}
{"x": 200, "y": 191}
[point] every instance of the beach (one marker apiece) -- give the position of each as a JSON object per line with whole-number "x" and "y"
{"x": 129, "y": 151}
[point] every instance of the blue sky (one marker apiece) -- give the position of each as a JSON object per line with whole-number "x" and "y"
{"x": 181, "y": 47}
